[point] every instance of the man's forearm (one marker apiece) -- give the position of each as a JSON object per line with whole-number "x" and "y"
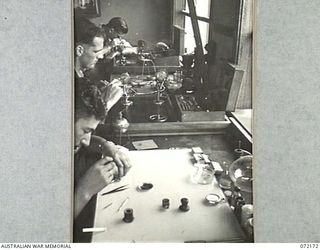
{"x": 81, "y": 198}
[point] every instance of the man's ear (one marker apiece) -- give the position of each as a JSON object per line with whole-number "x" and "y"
{"x": 79, "y": 50}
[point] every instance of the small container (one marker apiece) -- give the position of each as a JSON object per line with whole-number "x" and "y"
{"x": 203, "y": 174}
{"x": 128, "y": 215}
{"x": 225, "y": 183}
{"x": 246, "y": 213}
{"x": 213, "y": 199}
{"x": 145, "y": 186}
{"x": 238, "y": 153}
{"x": 228, "y": 195}
{"x": 248, "y": 228}
{"x": 184, "y": 205}
{"x": 165, "y": 203}
{"x": 238, "y": 208}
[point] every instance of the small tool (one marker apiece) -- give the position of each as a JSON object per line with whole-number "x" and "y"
{"x": 118, "y": 189}
{"x": 123, "y": 203}
{"x": 108, "y": 205}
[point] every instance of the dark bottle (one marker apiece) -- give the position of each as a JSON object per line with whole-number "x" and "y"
{"x": 238, "y": 207}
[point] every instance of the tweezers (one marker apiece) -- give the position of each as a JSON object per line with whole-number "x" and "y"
{"x": 118, "y": 189}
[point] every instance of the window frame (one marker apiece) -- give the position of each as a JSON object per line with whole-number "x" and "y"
{"x": 179, "y": 23}
{"x": 179, "y": 15}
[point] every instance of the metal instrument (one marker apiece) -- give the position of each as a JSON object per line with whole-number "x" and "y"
{"x": 118, "y": 189}
{"x": 161, "y": 77}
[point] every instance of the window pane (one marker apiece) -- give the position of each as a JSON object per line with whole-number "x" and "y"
{"x": 202, "y": 8}
{"x": 189, "y": 41}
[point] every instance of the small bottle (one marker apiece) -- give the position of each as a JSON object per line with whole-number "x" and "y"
{"x": 237, "y": 192}
{"x": 236, "y": 195}
{"x": 120, "y": 124}
{"x": 128, "y": 215}
{"x": 238, "y": 207}
{"x": 165, "y": 203}
{"x": 228, "y": 195}
{"x": 224, "y": 181}
{"x": 238, "y": 151}
{"x": 248, "y": 228}
{"x": 246, "y": 213}
{"x": 184, "y": 205}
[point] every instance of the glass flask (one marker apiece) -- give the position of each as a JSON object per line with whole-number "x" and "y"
{"x": 240, "y": 173}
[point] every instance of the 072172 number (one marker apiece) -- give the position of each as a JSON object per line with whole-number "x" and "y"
{"x": 309, "y": 245}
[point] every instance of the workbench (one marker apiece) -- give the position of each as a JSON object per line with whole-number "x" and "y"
{"x": 171, "y": 172}
{"x": 218, "y": 143}
{"x": 171, "y": 163}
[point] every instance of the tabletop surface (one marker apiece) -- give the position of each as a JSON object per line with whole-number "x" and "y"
{"x": 170, "y": 172}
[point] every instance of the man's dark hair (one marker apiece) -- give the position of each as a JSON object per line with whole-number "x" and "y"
{"x": 85, "y": 31}
{"x": 88, "y": 101}
{"x": 118, "y": 24}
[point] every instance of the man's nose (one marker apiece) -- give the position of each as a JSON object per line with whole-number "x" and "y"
{"x": 85, "y": 141}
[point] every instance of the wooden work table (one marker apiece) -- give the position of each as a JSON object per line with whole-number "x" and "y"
{"x": 218, "y": 139}
{"x": 170, "y": 172}
{"x": 218, "y": 143}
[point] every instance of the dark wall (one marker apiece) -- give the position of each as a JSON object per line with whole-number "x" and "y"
{"x": 224, "y": 30}
{"x": 224, "y": 27}
{"x": 150, "y": 20}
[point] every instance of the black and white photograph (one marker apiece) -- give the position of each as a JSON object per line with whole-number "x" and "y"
{"x": 163, "y": 121}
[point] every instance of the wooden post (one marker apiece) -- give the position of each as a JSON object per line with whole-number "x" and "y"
{"x": 199, "y": 55}
{"x": 237, "y": 75}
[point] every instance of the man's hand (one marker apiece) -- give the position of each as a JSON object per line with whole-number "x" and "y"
{"x": 111, "y": 93}
{"x": 120, "y": 42}
{"x": 120, "y": 157}
{"x": 123, "y": 46}
{"x": 98, "y": 176}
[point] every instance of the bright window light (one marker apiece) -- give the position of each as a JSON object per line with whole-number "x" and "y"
{"x": 189, "y": 41}
{"x": 202, "y": 8}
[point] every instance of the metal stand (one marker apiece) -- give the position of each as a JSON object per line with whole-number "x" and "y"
{"x": 120, "y": 125}
{"x": 158, "y": 102}
{"x": 145, "y": 64}
{"x": 123, "y": 60}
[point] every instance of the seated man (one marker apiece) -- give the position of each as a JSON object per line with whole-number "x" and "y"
{"x": 92, "y": 178}
{"x": 114, "y": 30}
{"x": 97, "y": 162}
{"x": 89, "y": 40}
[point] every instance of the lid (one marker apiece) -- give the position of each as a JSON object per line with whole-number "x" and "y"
{"x": 213, "y": 199}
{"x": 145, "y": 186}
